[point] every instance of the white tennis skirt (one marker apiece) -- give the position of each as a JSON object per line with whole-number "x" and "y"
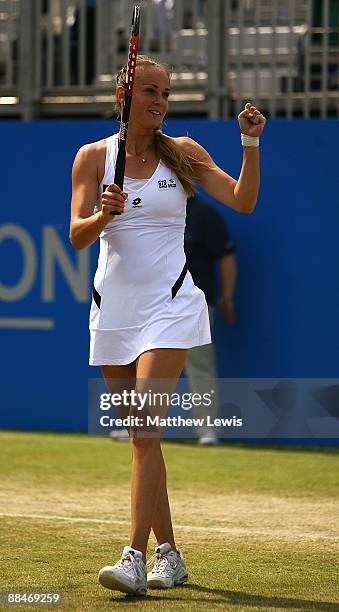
{"x": 179, "y": 322}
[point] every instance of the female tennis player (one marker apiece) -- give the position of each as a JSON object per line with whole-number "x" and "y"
{"x": 146, "y": 311}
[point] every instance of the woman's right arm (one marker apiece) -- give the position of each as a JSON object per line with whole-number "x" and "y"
{"x": 85, "y": 225}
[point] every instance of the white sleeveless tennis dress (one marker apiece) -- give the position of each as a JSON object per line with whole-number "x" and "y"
{"x": 143, "y": 296}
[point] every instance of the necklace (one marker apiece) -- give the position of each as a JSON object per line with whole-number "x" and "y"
{"x": 143, "y": 159}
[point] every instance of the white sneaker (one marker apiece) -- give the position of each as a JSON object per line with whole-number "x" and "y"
{"x": 128, "y": 575}
{"x": 208, "y": 439}
{"x": 169, "y": 568}
{"x": 119, "y": 435}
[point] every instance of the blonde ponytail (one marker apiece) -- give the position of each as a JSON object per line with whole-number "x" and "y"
{"x": 182, "y": 164}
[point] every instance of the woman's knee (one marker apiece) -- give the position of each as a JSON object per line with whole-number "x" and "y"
{"x": 144, "y": 444}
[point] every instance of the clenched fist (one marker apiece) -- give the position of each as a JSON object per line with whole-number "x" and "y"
{"x": 251, "y": 121}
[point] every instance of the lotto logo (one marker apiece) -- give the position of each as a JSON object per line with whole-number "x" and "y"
{"x": 162, "y": 184}
{"x": 136, "y": 203}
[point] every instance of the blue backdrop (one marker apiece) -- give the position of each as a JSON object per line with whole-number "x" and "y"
{"x": 287, "y": 295}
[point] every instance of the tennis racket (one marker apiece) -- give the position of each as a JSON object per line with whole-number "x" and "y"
{"x": 130, "y": 74}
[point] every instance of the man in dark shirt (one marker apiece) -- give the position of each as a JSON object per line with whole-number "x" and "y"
{"x": 206, "y": 242}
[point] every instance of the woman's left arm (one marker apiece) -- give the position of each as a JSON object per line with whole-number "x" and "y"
{"x": 241, "y": 194}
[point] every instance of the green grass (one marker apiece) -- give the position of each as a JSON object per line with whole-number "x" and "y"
{"x": 72, "y": 459}
{"x": 276, "y": 510}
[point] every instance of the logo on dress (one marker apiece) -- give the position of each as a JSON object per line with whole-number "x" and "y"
{"x": 164, "y": 184}
{"x": 136, "y": 203}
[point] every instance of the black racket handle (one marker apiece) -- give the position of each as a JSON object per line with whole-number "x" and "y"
{"x": 120, "y": 170}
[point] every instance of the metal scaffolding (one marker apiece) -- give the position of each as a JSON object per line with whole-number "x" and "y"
{"x": 59, "y": 57}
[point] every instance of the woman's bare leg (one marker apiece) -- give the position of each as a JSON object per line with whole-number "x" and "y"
{"x": 148, "y": 485}
{"x": 119, "y": 378}
{"x": 148, "y": 367}
{"x": 162, "y": 521}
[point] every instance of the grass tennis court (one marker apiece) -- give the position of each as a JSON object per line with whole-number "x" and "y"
{"x": 258, "y": 526}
